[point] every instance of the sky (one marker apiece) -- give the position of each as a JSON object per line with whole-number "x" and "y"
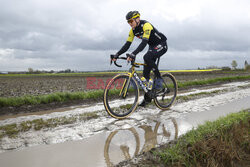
{"x": 80, "y": 35}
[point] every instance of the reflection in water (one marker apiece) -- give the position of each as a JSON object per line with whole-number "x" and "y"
{"x": 160, "y": 133}
{"x": 124, "y": 148}
{"x": 150, "y": 136}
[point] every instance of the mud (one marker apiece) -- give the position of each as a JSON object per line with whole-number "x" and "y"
{"x": 128, "y": 138}
{"x": 111, "y": 140}
{"x": 84, "y": 129}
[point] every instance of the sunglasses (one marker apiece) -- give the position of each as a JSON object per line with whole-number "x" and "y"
{"x": 130, "y": 21}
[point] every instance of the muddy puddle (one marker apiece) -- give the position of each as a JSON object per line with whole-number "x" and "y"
{"x": 109, "y": 147}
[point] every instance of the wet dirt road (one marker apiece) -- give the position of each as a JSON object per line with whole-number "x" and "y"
{"x": 108, "y": 148}
{"x": 115, "y": 140}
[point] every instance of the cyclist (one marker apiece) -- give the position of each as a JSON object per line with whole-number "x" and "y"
{"x": 157, "y": 42}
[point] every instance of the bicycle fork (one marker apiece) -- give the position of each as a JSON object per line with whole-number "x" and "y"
{"x": 125, "y": 87}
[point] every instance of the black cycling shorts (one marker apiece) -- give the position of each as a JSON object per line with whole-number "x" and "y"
{"x": 150, "y": 57}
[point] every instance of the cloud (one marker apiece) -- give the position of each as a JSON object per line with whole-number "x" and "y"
{"x": 74, "y": 34}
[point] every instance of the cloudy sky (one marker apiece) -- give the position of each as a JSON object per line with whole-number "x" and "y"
{"x": 80, "y": 34}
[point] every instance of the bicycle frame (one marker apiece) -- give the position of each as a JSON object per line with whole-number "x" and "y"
{"x": 128, "y": 85}
{"x": 137, "y": 78}
{"x": 132, "y": 73}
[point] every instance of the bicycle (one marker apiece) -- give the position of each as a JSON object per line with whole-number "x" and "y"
{"x": 121, "y": 94}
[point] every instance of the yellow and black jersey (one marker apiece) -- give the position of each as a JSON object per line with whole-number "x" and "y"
{"x": 147, "y": 33}
{"x": 145, "y": 30}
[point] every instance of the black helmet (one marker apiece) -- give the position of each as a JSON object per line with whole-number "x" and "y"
{"x": 132, "y": 15}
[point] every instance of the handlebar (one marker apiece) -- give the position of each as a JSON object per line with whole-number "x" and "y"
{"x": 124, "y": 58}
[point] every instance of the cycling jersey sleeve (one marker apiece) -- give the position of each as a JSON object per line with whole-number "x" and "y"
{"x": 131, "y": 36}
{"x": 141, "y": 46}
{"x": 124, "y": 48}
{"x": 147, "y": 30}
{"x": 145, "y": 37}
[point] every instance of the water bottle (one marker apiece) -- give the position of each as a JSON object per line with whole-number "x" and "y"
{"x": 150, "y": 84}
{"x": 144, "y": 81}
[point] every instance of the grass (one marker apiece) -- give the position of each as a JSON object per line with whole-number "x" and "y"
{"x": 45, "y": 99}
{"x": 68, "y": 96}
{"x": 12, "y": 130}
{"x": 211, "y": 81}
{"x": 223, "y": 142}
{"x": 127, "y": 106}
{"x": 192, "y": 96}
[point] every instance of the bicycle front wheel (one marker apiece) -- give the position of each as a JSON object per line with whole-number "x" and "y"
{"x": 166, "y": 97}
{"x": 121, "y": 96}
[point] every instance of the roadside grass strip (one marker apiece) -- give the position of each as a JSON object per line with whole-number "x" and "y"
{"x": 96, "y": 94}
{"x": 224, "y": 142}
{"x": 197, "y": 95}
{"x": 50, "y": 98}
{"x": 12, "y": 130}
{"x": 211, "y": 81}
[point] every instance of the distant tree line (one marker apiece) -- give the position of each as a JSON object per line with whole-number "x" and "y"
{"x": 32, "y": 71}
{"x": 234, "y": 65}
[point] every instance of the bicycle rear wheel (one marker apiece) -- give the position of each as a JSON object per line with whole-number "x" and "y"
{"x": 121, "y": 96}
{"x": 166, "y": 97}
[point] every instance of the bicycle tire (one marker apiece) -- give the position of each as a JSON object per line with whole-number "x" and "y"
{"x": 108, "y": 143}
{"x": 118, "y": 102}
{"x": 165, "y": 98}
